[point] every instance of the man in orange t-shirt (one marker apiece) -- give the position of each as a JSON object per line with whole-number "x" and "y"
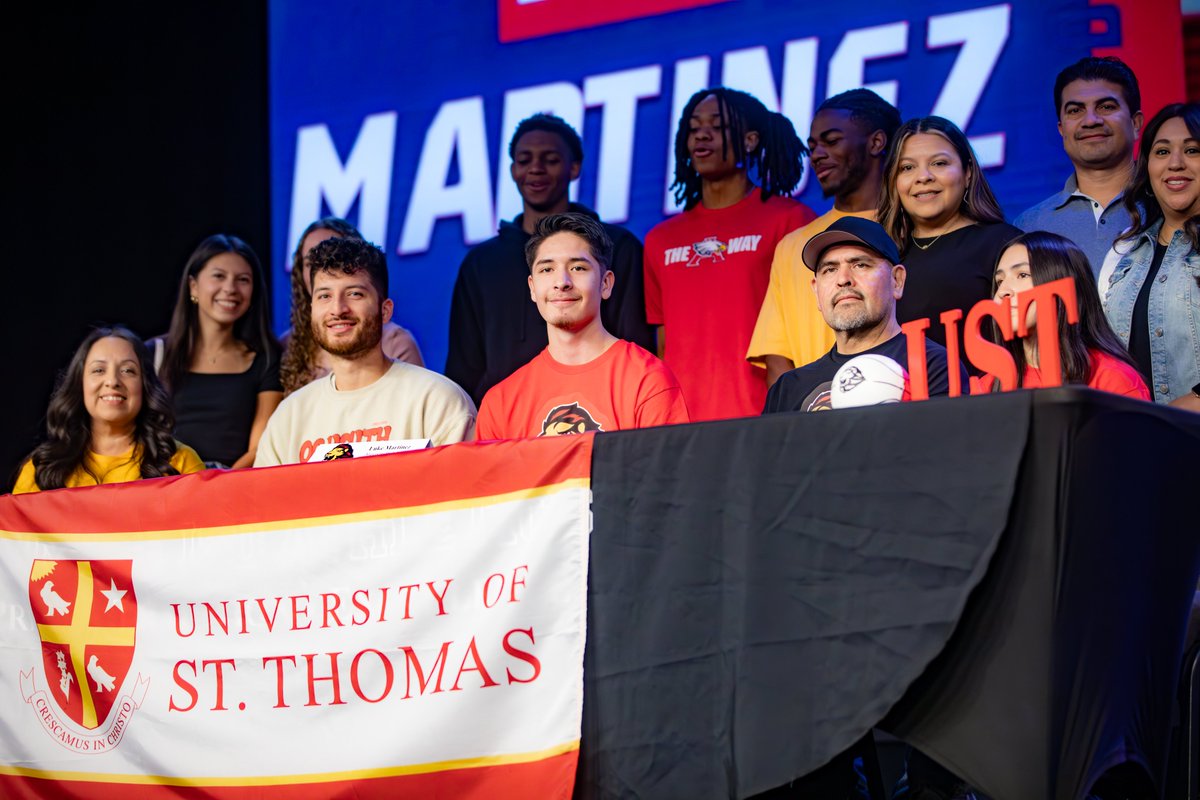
{"x": 586, "y": 379}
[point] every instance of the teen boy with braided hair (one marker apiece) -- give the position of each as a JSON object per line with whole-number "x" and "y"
{"x": 707, "y": 269}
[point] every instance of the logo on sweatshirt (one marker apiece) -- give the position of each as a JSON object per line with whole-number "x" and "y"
{"x": 568, "y": 420}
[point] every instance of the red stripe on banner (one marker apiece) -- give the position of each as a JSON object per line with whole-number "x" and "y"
{"x": 221, "y": 498}
{"x": 549, "y": 778}
{"x": 529, "y": 19}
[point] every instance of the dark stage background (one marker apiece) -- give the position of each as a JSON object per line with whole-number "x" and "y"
{"x": 133, "y": 135}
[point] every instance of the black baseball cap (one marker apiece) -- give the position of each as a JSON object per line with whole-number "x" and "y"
{"x": 850, "y": 230}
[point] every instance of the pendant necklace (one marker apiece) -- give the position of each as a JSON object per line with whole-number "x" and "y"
{"x": 927, "y": 246}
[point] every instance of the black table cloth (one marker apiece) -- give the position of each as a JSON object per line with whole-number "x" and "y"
{"x": 1002, "y": 581}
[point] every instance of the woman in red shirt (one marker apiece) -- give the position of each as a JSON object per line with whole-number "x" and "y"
{"x": 1091, "y": 352}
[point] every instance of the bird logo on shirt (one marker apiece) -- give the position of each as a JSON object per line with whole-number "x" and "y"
{"x": 708, "y": 247}
{"x": 568, "y": 420}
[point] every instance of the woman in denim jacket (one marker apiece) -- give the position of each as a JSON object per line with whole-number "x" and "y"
{"x": 1153, "y": 299}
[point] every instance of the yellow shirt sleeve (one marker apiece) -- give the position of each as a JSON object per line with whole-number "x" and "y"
{"x": 790, "y": 323}
{"x": 25, "y": 480}
{"x": 811, "y": 336}
{"x": 115, "y": 469}
{"x": 186, "y": 460}
{"x": 770, "y": 337}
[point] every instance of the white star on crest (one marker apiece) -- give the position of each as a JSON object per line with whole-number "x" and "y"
{"x": 114, "y": 596}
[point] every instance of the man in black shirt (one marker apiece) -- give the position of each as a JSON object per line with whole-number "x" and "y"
{"x": 494, "y": 328}
{"x": 857, "y": 278}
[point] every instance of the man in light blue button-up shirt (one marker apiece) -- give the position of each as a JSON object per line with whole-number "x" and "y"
{"x": 1098, "y": 104}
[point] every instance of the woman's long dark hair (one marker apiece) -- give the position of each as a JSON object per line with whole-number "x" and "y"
{"x": 1140, "y": 200}
{"x": 979, "y": 202}
{"x": 69, "y": 426}
{"x": 778, "y": 160}
{"x": 299, "y": 359}
{"x": 1052, "y": 257}
{"x": 252, "y": 329}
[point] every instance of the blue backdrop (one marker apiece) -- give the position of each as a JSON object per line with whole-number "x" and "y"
{"x": 397, "y": 115}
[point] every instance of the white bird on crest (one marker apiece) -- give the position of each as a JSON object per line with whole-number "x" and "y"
{"x": 96, "y": 673}
{"x": 54, "y": 603}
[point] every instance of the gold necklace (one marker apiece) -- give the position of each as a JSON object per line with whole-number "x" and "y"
{"x": 927, "y": 246}
{"x": 913, "y": 236}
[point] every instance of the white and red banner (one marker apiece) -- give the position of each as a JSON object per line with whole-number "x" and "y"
{"x": 406, "y": 625}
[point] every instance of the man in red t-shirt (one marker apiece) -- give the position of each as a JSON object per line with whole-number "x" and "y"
{"x": 586, "y": 379}
{"x": 707, "y": 269}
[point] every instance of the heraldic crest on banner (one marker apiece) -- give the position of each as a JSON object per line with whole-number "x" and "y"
{"x": 86, "y": 617}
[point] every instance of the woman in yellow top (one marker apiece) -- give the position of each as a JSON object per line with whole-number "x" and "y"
{"x": 109, "y": 421}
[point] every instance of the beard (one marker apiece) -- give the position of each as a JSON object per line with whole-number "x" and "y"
{"x": 367, "y": 336}
{"x": 849, "y": 320}
{"x": 569, "y": 324}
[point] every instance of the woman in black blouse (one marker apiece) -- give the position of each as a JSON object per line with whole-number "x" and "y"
{"x": 940, "y": 211}
{"x": 220, "y": 359}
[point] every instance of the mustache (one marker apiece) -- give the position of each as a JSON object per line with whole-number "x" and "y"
{"x": 847, "y": 293}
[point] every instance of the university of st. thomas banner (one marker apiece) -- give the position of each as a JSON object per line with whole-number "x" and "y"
{"x": 405, "y": 625}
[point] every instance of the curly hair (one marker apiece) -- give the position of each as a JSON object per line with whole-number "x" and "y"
{"x": 1052, "y": 257}
{"x": 1140, "y": 200}
{"x": 69, "y": 426}
{"x": 777, "y": 160}
{"x": 978, "y": 202}
{"x": 253, "y": 328}
{"x": 349, "y": 256}
{"x": 298, "y": 367}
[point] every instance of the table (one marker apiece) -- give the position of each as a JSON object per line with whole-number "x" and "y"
{"x": 1002, "y": 581}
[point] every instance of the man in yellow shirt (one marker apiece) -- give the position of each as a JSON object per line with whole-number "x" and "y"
{"x": 848, "y": 143}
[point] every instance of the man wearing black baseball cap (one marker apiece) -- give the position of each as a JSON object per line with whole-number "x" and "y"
{"x": 857, "y": 279}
